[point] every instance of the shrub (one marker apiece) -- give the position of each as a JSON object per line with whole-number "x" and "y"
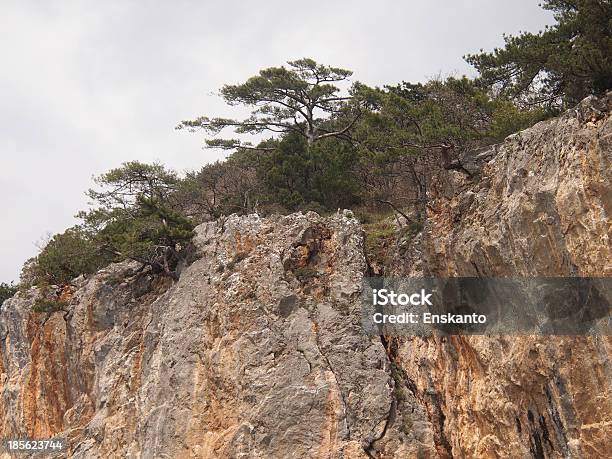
{"x": 50, "y": 306}
{"x": 135, "y": 218}
{"x": 380, "y": 238}
{"x": 64, "y": 257}
{"x": 7, "y": 291}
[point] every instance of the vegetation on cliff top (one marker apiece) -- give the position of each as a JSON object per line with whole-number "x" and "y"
{"x": 134, "y": 217}
{"x": 558, "y": 67}
{"x": 7, "y": 291}
{"x": 333, "y": 144}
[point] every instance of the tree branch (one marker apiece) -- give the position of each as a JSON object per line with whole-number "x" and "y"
{"x": 341, "y": 131}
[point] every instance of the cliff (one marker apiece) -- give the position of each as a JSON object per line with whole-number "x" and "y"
{"x": 257, "y": 350}
{"x": 537, "y": 205}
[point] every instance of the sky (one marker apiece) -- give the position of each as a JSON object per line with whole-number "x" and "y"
{"x": 85, "y": 85}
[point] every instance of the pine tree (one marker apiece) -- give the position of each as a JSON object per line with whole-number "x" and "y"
{"x": 557, "y": 67}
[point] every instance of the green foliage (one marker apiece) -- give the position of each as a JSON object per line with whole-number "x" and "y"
{"x": 507, "y": 119}
{"x": 122, "y": 186}
{"x": 299, "y": 176}
{"x": 135, "y": 218}
{"x": 410, "y": 119}
{"x": 380, "y": 238}
{"x": 64, "y": 257}
{"x": 7, "y": 291}
{"x": 331, "y": 149}
{"x": 299, "y": 100}
{"x": 559, "y": 66}
{"x": 145, "y": 232}
{"x": 334, "y": 151}
{"x": 408, "y": 128}
{"x": 48, "y": 306}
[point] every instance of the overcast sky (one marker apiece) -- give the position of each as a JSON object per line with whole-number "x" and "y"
{"x": 85, "y": 86}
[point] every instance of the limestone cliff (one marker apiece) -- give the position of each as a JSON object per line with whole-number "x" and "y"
{"x": 537, "y": 205}
{"x": 257, "y": 350}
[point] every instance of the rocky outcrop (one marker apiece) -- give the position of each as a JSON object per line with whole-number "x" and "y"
{"x": 257, "y": 351}
{"x": 537, "y": 205}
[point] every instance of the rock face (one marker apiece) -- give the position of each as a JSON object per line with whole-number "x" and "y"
{"x": 537, "y": 205}
{"x": 257, "y": 350}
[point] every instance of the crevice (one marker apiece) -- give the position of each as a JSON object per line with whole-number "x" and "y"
{"x": 439, "y": 435}
{"x": 390, "y": 419}
{"x": 545, "y": 434}
{"x": 331, "y": 368}
{"x": 535, "y": 441}
{"x": 553, "y": 412}
{"x": 402, "y": 380}
{"x": 437, "y": 417}
{"x": 303, "y": 354}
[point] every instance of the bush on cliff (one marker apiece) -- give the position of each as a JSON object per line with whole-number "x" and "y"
{"x": 7, "y": 291}
{"x": 64, "y": 257}
{"x": 373, "y": 148}
{"x": 296, "y": 176}
{"x": 136, "y": 217}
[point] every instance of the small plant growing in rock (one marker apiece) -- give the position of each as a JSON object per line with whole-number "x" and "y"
{"x": 380, "y": 238}
{"x": 51, "y": 300}
{"x": 49, "y": 306}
